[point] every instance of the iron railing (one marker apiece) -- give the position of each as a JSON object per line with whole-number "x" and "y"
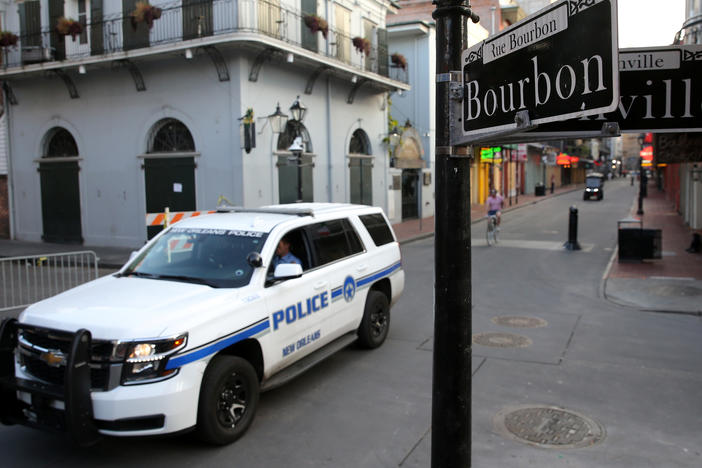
{"x": 196, "y": 20}
{"x": 26, "y": 280}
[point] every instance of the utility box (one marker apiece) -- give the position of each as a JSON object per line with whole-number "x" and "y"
{"x": 637, "y": 244}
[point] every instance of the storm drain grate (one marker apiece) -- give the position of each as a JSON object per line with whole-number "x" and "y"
{"x": 520, "y": 322}
{"x": 549, "y": 427}
{"x": 501, "y": 340}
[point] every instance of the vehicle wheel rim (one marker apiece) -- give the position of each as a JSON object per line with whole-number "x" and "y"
{"x": 378, "y": 321}
{"x": 233, "y": 400}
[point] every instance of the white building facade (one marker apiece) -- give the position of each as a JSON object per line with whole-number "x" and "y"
{"x": 124, "y": 119}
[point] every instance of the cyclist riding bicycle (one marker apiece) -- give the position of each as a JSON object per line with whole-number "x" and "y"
{"x": 494, "y": 205}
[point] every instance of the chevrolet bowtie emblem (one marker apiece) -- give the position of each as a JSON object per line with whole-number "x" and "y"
{"x": 53, "y": 358}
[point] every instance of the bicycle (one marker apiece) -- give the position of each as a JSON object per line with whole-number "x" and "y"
{"x": 492, "y": 232}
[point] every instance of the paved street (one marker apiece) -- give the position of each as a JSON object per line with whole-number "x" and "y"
{"x": 635, "y": 376}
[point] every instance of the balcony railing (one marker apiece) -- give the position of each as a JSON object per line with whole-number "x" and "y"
{"x": 199, "y": 20}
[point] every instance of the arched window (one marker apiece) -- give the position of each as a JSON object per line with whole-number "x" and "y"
{"x": 170, "y": 136}
{"x": 360, "y": 168}
{"x": 60, "y": 144}
{"x": 360, "y": 143}
{"x": 293, "y": 129}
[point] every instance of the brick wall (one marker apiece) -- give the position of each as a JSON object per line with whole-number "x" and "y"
{"x": 4, "y": 213}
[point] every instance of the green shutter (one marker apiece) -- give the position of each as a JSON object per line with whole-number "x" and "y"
{"x": 309, "y": 39}
{"x": 382, "y": 52}
{"x": 134, "y": 38}
{"x": 97, "y": 44}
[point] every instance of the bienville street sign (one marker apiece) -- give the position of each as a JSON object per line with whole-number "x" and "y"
{"x": 557, "y": 64}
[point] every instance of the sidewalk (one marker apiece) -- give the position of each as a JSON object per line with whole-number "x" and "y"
{"x": 672, "y": 283}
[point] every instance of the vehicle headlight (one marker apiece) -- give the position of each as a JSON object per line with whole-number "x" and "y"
{"x": 595, "y": 190}
{"x": 145, "y": 361}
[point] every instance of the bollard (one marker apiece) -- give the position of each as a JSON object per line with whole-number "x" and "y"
{"x": 572, "y": 243}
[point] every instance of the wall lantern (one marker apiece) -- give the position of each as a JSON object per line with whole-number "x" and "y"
{"x": 277, "y": 120}
{"x": 298, "y": 110}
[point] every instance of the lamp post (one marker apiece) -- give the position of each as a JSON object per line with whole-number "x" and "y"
{"x": 393, "y": 140}
{"x": 298, "y": 111}
{"x": 640, "y": 139}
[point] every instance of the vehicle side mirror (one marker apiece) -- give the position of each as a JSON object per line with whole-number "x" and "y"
{"x": 287, "y": 271}
{"x": 254, "y": 259}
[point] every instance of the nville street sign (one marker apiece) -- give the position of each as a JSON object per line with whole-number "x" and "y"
{"x": 661, "y": 92}
{"x": 558, "y": 64}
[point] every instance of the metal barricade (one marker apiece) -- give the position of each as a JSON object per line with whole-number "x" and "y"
{"x": 26, "y": 280}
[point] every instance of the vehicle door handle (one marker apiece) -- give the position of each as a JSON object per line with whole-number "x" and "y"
{"x": 361, "y": 267}
{"x": 320, "y": 284}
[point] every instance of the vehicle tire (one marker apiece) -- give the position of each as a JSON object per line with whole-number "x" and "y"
{"x": 585, "y": 197}
{"x": 376, "y": 320}
{"x": 228, "y": 400}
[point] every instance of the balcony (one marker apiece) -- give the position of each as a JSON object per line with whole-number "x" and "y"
{"x": 264, "y": 28}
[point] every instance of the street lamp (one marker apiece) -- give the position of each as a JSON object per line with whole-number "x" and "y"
{"x": 298, "y": 111}
{"x": 393, "y": 140}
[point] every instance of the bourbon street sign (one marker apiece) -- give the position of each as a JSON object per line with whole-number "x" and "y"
{"x": 557, "y": 64}
{"x": 661, "y": 91}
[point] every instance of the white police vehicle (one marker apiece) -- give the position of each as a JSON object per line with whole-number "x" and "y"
{"x": 189, "y": 331}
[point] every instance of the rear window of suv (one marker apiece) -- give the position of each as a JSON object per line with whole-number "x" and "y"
{"x": 377, "y": 228}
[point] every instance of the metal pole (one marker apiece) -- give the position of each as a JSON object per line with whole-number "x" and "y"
{"x": 451, "y": 389}
{"x": 298, "y": 158}
{"x": 640, "y": 211}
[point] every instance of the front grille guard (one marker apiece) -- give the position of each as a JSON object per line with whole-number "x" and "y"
{"x": 77, "y": 417}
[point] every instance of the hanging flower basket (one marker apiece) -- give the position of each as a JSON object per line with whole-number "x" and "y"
{"x": 362, "y": 45}
{"x": 7, "y": 39}
{"x": 145, "y": 13}
{"x": 68, "y": 27}
{"x": 399, "y": 61}
{"x": 317, "y": 23}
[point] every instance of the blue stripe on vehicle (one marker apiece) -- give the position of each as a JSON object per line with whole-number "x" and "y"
{"x": 198, "y": 354}
{"x": 336, "y": 292}
{"x": 377, "y": 276}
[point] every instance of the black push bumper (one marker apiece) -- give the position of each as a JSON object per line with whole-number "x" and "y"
{"x": 77, "y": 417}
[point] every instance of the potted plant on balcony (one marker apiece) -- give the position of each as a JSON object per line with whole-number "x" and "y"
{"x": 362, "y": 45}
{"x": 68, "y": 27}
{"x": 145, "y": 13}
{"x": 317, "y": 23}
{"x": 8, "y": 39}
{"x": 399, "y": 61}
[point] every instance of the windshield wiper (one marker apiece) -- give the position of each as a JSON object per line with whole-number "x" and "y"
{"x": 186, "y": 279}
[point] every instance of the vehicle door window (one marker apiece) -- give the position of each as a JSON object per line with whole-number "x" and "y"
{"x": 298, "y": 247}
{"x": 333, "y": 240}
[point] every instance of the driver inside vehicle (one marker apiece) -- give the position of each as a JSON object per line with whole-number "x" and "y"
{"x": 283, "y": 254}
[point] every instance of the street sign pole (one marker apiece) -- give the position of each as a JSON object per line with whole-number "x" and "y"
{"x": 451, "y": 392}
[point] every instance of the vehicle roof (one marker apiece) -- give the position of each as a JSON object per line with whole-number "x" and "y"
{"x": 265, "y": 218}
{"x": 594, "y": 174}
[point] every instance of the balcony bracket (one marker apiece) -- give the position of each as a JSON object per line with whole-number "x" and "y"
{"x": 313, "y": 78}
{"x": 136, "y": 74}
{"x": 265, "y": 54}
{"x": 72, "y": 91}
{"x": 219, "y": 63}
{"x": 11, "y": 98}
{"x": 352, "y": 93}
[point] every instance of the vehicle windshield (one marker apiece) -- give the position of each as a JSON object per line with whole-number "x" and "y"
{"x": 214, "y": 257}
{"x": 593, "y": 182}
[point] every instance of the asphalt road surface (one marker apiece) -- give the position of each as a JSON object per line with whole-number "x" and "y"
{"x": 624, "y": 383}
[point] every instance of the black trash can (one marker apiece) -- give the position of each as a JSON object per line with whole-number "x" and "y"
{"x": 540, "y": 190}
{"x": 639, "y": 244}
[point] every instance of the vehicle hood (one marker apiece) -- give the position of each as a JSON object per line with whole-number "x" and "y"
{"x": 126, "y": 308}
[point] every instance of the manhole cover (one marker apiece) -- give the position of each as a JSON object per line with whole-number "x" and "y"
{"x": 675, "y": 291}
{"x": 501, "y": 340}
{"x": 520, "y": 322}
{"x": 549, "y": 427}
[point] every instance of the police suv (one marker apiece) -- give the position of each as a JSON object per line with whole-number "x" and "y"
{"x": 199, "y": 321}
